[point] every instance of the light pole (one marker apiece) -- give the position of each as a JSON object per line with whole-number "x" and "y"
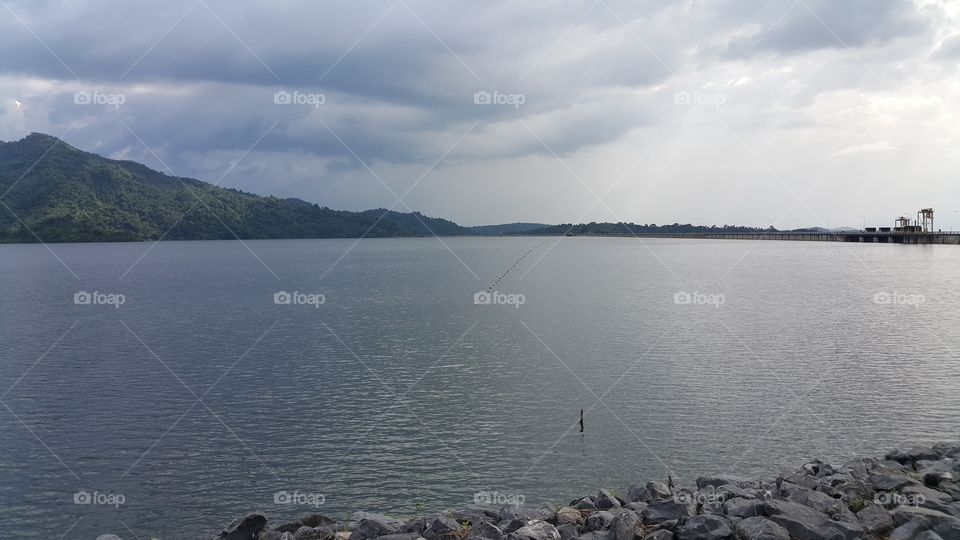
{"x": 864, "y": 227}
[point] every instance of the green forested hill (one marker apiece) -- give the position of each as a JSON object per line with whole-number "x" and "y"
{"x": 75, "y": 196}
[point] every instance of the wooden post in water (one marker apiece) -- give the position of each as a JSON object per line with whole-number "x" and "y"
{"x": 581, "y": 420}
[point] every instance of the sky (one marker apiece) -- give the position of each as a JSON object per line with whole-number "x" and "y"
{"x": 782, "y": 112}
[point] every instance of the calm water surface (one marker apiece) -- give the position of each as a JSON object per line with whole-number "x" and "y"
{"x": 199, "y": 399}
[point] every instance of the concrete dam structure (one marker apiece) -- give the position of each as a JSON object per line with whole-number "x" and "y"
{"x": 891, "y": 237}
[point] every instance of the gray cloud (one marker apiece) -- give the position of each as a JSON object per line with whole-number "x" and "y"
{"x": 597, "y": 81}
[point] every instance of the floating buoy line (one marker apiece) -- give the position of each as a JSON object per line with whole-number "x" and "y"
{"x": 497, "y": 281}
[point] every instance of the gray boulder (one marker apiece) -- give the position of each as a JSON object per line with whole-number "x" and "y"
{"x": 487, "y": 530}
{"x": 537, "y": 530}
{"x": 624, "y": 526}
{"x": 704, "y": 528}
{"x": 653, "y": 491}
{"x": 568, "y": 532}
{"x": 891, "y": 481}
{"x": 310, "y": 533}
{"x": 605, "y": 500}
{"x": 440, "y": 527}
{"x": 821, "y": 502}
{"x": 596, "y": 535}
{"x": 908, "y": 531}
{"x": 659, "y": 535}
{"x": 875, "y": 520}
{"x": 401, "y": 536}
{"x": 716, "y": 481}
{"x": 742, "y": 508}
{"x": 108, "y": 537}
{"x": 569, "y": 515}
{"x": 759, "y": 528}
{"x": 659, "y": 512}
{"x": 804, "y": 523}
{"x": 945, "y": 525}
{"x": 513, "y": 525}
{"x": 598, "y": 520}
{"x": 373, "y": 526}
{"x": 585, "y": 503}
{"x": 926, "y": 497}
{"x": 912, "y": 455}
{"x": 245, "y": 528}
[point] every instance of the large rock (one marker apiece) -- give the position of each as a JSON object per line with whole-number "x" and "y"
{"x": 658, "y": 512}
{"x": 537, "y": 530}
{"x": 441, "y": 527}
{"x": 760, "y": 528}
{"x": 704, "y": 528}
{"x": 605, "y": 500}
{"x": 817, "y": 469}
{"x": 875, "y": 520}
{"x": 596, "y": 535}
{"x": 928, "y": 535}
{"x": 513, "y": 525}
{"x": 522, "y": 512}
{"x": 372, "y": 526}
{"x": 314, "y": 520}
{"x": 891, "y": 481}
{"x": 821, "y": 502}
{"x": 716, "y": 481}
{"x": 311, "y": 533}
{"x": 569, "y": 515}
{"x": 357, "y": 517}
{"x": 487, "y": 530}
{"x": 598, "y": 520}
{"x": 659, "y": 535}
{"x": 653, "y": 491}
{"x": 624, "y": 526}
{"x": 742, "y": 508}
{"x": 804, "y": 523}
{"x": 245, "y": 528}
{"x": 926, "y": 497}
{"x": 945, "y": 525}
{"x": 912, "y": 455}
{"x": 568, "y": 532}
{"x": 402, "y": 536}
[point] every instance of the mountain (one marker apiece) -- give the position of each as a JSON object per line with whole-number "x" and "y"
{"x": 506, "y": 228}
{"x": 53, "y": 192}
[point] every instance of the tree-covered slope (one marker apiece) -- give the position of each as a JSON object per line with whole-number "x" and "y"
{"x": 57, "y": 193}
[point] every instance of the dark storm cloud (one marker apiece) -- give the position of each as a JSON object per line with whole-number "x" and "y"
{"x": 810, "y": 25}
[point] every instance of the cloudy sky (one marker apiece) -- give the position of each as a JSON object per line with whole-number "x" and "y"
{"x": 720, "y": 111}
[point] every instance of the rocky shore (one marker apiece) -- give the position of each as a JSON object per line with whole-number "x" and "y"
{"x": 905, "y": 495}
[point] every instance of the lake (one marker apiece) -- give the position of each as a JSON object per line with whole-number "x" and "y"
{"x": 204, "y": 380}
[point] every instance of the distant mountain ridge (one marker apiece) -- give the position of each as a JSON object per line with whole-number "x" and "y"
{"x": 58, "y": 193}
